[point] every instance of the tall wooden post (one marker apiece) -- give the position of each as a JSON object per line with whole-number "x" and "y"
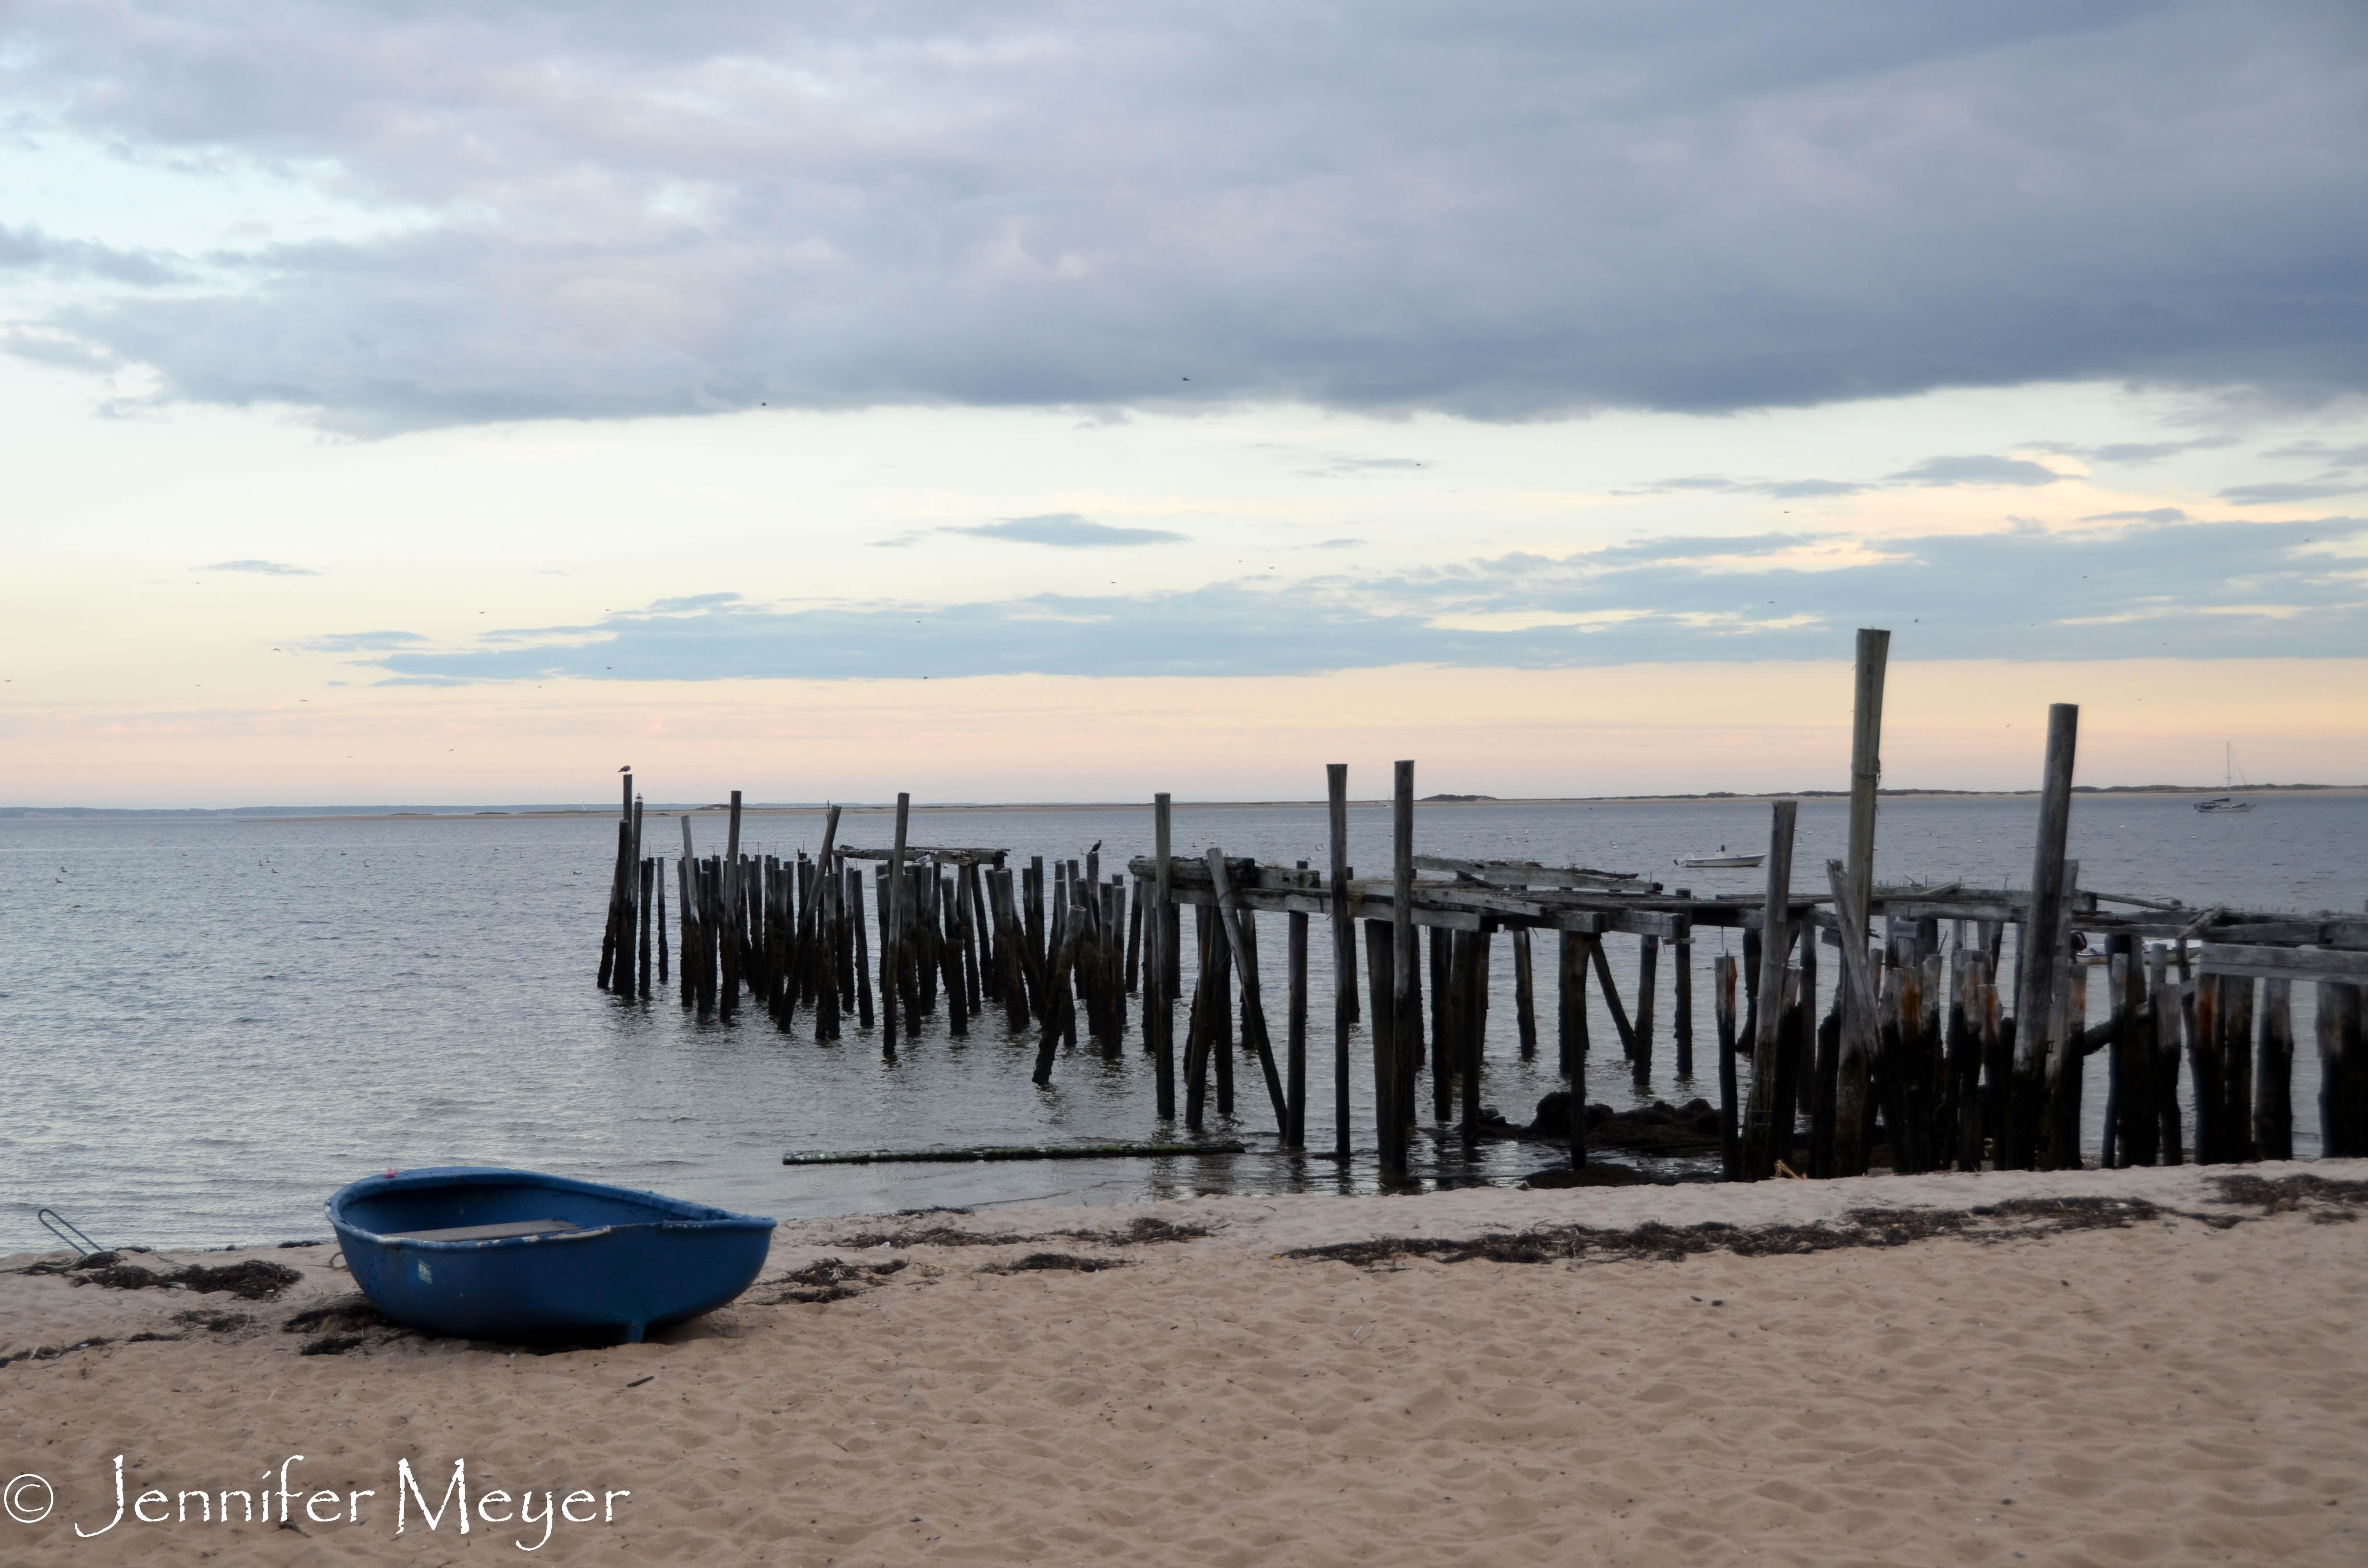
{"x": 1851, "y": 1067}
{"x": 1233, "y": 923}
{"x": 1681, "y": 1014}
{"x": 2273, "y": 1076}
{"x": 2342, "y": 1071}
{"x": 1344, "y": 957}
{"x": 1648, "y": 960}
{"x": 2043, "y": 936}
{"x": 1525, "y": 993}
{"x": 1389, "y": 1121}
{"x": 1570, "y": 1004}
{"x": 807, "y": 947}
{"x": 1295, "y": 1076}
{"x": 1403, "y": 958}
{"x": 1159, "y": 1007}
{"x": 1722, "y": 1008}
{"x": 892, "y": 941}
{"x": 649, "y": 870}
{"x": 1764, "y": 1115}
{"x": 2162, "y": 1024}
{"x": 2059, "y": 1122}
{"x": 1848, "y": 1156}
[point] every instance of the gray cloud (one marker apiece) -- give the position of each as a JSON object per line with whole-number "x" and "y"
{"x": 1976, "y": 469}
{"x": 2137, "y": 454}
{"x": 1336, "y": 464}
{"x": 363, "y": 641}
{"x": 2333, "y": 456}
{"x": 1066, "y": 530}
{"x": 264, "y": 568}
{"x": 1782, "y": 489}
{"x": 2274, "y": 494}
{"x": 2153, "y": 514}
{"x": 30, "y": 248}
{"x": 2201, "y": 590}
{"x": 1695, "y": 547}
{"x": 1498, "y": 211}
{"x": 1973, "y": 469}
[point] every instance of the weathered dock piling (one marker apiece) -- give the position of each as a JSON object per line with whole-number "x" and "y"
{"x": 1949, "y": 1027}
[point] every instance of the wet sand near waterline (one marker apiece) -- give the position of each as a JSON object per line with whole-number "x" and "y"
{"x": 2156, "y": 1385}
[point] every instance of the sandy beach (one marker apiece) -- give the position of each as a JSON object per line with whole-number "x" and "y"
{"x": 2166, "y": 1377}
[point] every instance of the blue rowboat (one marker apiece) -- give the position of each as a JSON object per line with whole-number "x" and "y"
{"x": 496, "y": 1253}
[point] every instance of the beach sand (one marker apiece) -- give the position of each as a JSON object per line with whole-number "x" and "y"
{"x": 2155, "y": 1389}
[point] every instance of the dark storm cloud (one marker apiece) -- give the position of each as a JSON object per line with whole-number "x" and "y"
{"x": 2199, "y": 590}
{"x": 1497, "y": 210}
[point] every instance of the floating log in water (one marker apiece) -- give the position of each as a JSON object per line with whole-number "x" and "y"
{"x": 991, "y": 1153}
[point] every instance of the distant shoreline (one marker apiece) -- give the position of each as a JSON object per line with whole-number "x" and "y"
{"x": 862, "y": 808}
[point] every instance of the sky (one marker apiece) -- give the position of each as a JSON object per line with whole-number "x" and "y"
{"x": 432, "y": 403}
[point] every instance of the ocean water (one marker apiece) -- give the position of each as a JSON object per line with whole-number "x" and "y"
{"x": 207, "y": 1025}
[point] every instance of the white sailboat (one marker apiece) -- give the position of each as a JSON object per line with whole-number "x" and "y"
{"x": 2231, "y": 777}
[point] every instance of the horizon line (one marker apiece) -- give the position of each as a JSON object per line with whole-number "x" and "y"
{"x": 20, "y": 814}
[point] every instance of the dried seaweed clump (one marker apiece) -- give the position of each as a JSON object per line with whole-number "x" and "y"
{"x": 1052, "y": 1262}
{"x": 833, "y": 1279}
{"x": 2322, "y": 1198}
{"x": 1145, "y": 1231}
{"x": 1654, "y": 1240}
{"x": 214, "y": 1319}
{"x": 352, "y": 1323}
{"x": 253, "y": 1280}
{"x": 930, "y": 1236}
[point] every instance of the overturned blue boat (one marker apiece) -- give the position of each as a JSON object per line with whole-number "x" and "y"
{"x": 496, "y": 1253}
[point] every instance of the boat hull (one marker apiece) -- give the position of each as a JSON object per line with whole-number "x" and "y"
{"x": 633, "y": 1261}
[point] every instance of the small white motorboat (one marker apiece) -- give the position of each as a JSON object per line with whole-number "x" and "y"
{"x": 1722, "y": 861}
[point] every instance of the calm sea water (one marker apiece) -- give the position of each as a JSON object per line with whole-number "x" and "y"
{"x": 207, "y": 1026}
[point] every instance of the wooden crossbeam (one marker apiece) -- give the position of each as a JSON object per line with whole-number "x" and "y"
{"x": 2258, "y": 962}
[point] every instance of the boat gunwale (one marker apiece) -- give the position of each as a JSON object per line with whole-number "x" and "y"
{"x": 688, "y": 1216}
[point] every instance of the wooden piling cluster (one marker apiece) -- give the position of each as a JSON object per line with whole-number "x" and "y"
{"x": 1945, "y": 1046}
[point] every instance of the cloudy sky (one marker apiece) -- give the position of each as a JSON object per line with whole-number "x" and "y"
{"x": 448, "y": 403}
